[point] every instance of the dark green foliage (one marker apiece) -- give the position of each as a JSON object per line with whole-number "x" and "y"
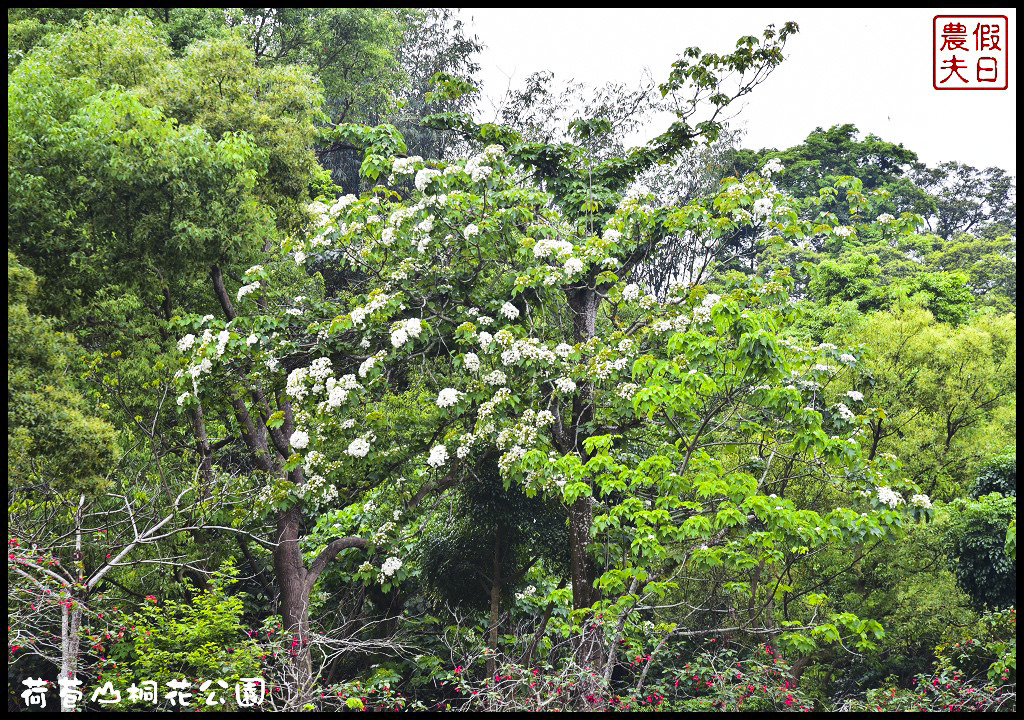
{"x": 978, "y": 534}
{"x": 51, "y": 435}
{"x": 999, "y": 475}
{"x": 458, "y": 558}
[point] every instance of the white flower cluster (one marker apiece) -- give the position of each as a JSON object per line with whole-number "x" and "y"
{"x": 296, "y": 384}
{"x": 627, "y": 390}
{"x": 491, "y": 153}
{"x": 702, "y": 313}
{"x": 448, "y": 397}
{"x": 563, "y": 350}
{"x": 546, "y": 246}
{"x": 602, "y": 368}
{"x": 573, "y": 266}
{"x": 762, "y": 207}
{"x": 855, "y": 395}
{"x": 772, "y": 166}
{"x": 337, "y": 390}
{"x": 885, "y": 219}
{"x": 847, "y": 359}
{"x": 438, "y": 456}
{"x": 424, "y": 176}
{"x": 496, "y": 377}
{"x": 844, "y": 412}
{"x": 842, "y": 231}
{"x": 299, "y": 439}
{"x": 477, "y": 169}
{"x": 378, "y": 301}
{"x": 402, "y": 330}
{"x": 470, "y": 231}
{"x": 565, "y": 385}
{"x": 741, "y": 215}
{"x": 358, "y": 447}
{"x": 513, "y": 455}
{"x": 510, "y": 311}
{"x": 405, "y": 166}
{"x": 888, "y": 496}
{"x": 246, "y": 289}
{"x": 921, "y": 501}
{"x": 367, "y": 365}
{"x": 390, "y": 567}
{"x": 186, "y": 342}
{"x": 472, "y": 361}
{"x": 631, "y": 292}
{"x": 222, "y": 341}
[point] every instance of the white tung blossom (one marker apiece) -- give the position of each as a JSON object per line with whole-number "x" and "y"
{"x": 358, "y": 448}
{"x": 186, "y": 342}
{"x": 565, "y": 385}
{"x": 367, "y": 365}
{"x": 471, "y": 361}
{"x": 470, "y": 231}
{"x": 888, "y": 496}
{"x": 424, "y": 176}
{"x": 299, "y": 439}
{"x": 772, "y": 166}
{"x": 631, "y": 292}
{"x": 844, "y": 412}
{"x": 496, "y": 377}
{"x": 921, "y": 501}
{"x": 438, "y": 456}
{"x": 855, "y": 395}
{"x": 399, "y": 336}
{"x": 246, "y": 289}
{"x": 762, "y": 207}
{"x": 510, "y": 311}
{"x": 390, "y": 566}
{"x": 448, "y": 397}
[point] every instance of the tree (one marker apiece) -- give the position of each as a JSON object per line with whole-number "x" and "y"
{"x": 474, "y": 306}
{"x": 977, "y": 533}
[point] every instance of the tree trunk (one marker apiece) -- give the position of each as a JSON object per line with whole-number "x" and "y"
{"x": 70, "y": 638}
{"x": 291, "y": 576}
{"x": 584, "y": 303}
{"x": 492, "y": 635}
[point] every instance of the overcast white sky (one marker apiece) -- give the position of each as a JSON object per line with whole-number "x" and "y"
{"x": 872, "y": 68}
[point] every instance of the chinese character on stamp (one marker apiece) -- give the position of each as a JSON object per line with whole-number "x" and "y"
{"x": 969, "y": 52}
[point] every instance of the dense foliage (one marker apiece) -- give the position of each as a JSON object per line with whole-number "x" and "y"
{"x": 315, "y": 378}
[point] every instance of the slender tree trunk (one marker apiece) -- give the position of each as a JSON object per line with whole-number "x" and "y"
{"x": 584, "y": 303}
{"x": 492, "y": 635}
{"x": 291, "y": 576}
{"x": 70, "y": 639}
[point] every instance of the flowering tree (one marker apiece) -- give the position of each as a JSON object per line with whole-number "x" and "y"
{"x": 492, "y": 310}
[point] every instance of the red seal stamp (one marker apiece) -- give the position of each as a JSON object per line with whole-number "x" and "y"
{"x": 970, "y": 52}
